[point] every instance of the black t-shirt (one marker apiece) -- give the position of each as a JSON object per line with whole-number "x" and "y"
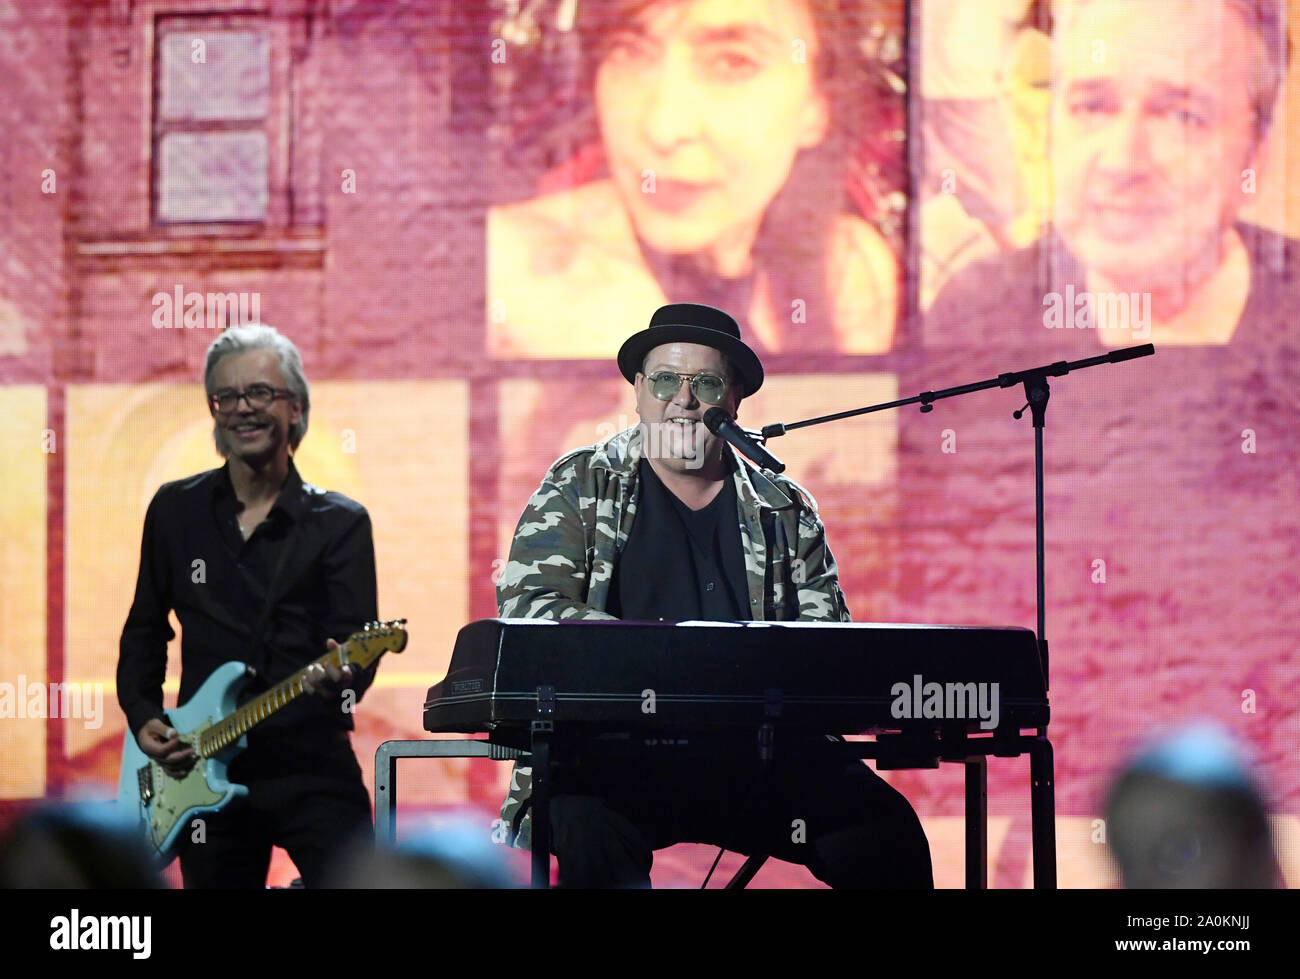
{"x": 681, "y": 564}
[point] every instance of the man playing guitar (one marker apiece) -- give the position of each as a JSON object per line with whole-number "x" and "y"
{"x": 264, "y": 568}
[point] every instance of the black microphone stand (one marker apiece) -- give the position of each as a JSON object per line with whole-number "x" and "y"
{"x": 1037, "y": 393}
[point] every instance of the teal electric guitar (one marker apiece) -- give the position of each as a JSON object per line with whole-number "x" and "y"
{"x": 215, "y": 728}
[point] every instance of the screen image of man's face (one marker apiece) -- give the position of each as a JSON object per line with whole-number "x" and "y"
{"x": 703, "y": 106}
{"x": 1152, "y": 126}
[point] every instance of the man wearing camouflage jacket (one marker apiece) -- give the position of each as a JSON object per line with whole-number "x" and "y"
{"x": 579, "y": 552}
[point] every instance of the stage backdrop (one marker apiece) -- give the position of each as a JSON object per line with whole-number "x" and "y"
{"x": 459, "y": 211}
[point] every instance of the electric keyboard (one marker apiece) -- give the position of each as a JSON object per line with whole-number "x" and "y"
{"x": 843, "y": 678}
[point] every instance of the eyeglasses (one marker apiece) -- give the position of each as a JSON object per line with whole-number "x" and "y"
{"x": 708, "y": 387}
{"x": 258, "y": 396}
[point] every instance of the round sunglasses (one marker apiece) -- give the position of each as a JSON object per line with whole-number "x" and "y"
{"x": 705, "y": 385}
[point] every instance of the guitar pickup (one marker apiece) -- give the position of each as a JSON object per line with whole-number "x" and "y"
{"x": 145, "y": 778}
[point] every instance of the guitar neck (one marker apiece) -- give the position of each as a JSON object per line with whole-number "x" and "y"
{"x": 247, "y": 716}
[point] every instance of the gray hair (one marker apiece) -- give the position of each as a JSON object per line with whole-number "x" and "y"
{"x": 1267, "y": 19}
{"x": 258, "y": 336}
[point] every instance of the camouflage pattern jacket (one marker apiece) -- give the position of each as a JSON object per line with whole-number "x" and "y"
{"x": 575, "y": 526}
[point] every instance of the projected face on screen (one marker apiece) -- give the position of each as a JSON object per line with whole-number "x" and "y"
{"x": 1153, "y": 124}
{"x": 702, "y": 109}
{"x": 1163, "y": 216}
{"x": 722, "y": 171}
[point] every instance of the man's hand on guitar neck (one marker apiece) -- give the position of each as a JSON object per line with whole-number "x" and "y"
{"x": 328, "y": 681}
{"x": 161, "y": 743}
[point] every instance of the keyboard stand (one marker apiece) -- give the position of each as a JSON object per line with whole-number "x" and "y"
{"x": 890, "y": 751}
{"x": 928, "y": 754}
{"x": 893, "y": 751}
{"x": 386, "y": 771}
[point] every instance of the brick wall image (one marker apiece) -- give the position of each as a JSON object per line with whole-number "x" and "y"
{"x": 443, "y": 205}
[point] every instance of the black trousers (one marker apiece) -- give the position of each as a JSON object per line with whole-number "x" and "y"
{"x": 811, "y": 806}
{"x": 308, "y": 799}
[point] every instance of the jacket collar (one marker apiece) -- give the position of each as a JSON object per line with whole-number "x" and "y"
{"x": 621, "y": 453}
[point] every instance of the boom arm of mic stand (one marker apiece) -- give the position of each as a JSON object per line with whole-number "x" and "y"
{"x": 1037, "y": 391}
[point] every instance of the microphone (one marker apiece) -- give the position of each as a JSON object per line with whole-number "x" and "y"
{"x": 720, "y": 424}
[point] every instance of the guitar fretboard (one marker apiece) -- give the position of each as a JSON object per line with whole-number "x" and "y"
{"x": 239, "y": 722}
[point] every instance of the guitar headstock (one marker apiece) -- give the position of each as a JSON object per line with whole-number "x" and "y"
{"x": 375, "y": 639}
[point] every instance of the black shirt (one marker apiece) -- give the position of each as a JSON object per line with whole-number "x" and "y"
{"x": 314, "y": 557}
{"x": 678, "y": 563}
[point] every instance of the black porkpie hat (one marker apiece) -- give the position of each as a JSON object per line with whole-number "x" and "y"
{"x": 692, "y": 323}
